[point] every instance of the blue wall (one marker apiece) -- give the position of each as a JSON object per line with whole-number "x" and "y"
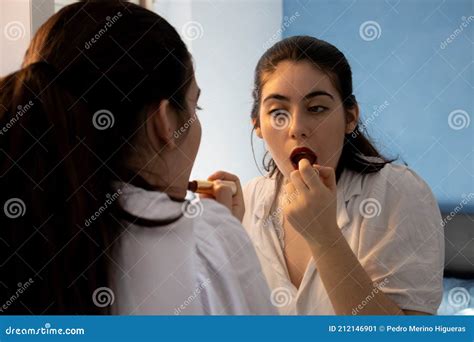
{"x": 408, "y": 79}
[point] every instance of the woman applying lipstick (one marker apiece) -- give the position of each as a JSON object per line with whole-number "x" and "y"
{"x": 98, "y": 177}
{"x": 338, "y": 228}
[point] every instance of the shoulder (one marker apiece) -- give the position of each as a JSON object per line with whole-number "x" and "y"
{"x": 397, "y": 198}
{"x": 216, "y": 225}
{"x": 396, "y": 184}
{"x": 256, "y": 186}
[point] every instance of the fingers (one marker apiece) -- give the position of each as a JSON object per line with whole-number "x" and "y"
{"x": 315, "y": 176}
{"x": 222, "y": 175}
{"x": 308, "y": 174}
{"x": 297, "y": 182}
{"x": 328, "y": 176}
{"x": 290, "y": 190}
{"x": 223, "y": 194}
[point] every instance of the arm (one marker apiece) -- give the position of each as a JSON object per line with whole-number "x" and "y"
{"x": 350, "y": 288}
{"x": 348, "y": 285}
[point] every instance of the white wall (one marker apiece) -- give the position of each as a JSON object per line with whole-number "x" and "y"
{"x": 19, "y": 20}
{"x": 226, "y": 39}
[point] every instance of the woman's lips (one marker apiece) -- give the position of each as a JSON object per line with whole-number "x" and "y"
{"x": 300, "y": 153}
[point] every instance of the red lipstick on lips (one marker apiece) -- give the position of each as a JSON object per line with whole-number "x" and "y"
{"x": 300, "y": 153}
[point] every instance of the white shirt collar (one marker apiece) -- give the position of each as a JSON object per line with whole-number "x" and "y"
{"x": 151, "y": 205}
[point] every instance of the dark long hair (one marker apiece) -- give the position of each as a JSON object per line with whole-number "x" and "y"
{"x": 326, "y": 57}
{"x": 66, "y": 120}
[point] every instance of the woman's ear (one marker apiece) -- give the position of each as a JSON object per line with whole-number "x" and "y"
{"x": 258, "y": 130}
{"x": 352, "y": 118}
{"x": 160, "y": 125}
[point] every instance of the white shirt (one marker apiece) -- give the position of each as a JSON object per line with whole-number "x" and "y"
{"x": 204, "y": 263}
{"x": 392, "y": 223}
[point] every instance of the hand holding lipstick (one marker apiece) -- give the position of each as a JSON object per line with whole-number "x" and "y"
{"x": 229, "y": 196}
{"x": 312, "y": 203}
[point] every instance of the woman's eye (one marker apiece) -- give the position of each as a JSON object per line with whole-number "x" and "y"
{"x": 279, "y": 112}
{"x": 198, "y": 107}
{"x": 280, "y": 118}
{"x": 317, "y": 109}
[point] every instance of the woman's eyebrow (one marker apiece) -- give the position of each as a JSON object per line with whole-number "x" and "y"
{"x": 309, "y": 96}
{"x": 198, "y": 94}
{"x": 276, "y": 97}
{"x": 317, "y": 93}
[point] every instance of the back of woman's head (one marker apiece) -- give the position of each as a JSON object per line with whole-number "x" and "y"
{"x": 66, "y": 120}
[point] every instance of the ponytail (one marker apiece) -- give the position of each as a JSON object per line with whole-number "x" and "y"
{"x": 45, "y": 179}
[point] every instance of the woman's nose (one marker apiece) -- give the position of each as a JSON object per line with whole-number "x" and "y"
{"x": 299, "y": 128}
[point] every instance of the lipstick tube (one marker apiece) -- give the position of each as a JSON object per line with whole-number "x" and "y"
{"x": 206, "y": 187}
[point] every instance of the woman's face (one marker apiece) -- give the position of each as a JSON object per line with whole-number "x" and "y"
{"x": 191, "y": 138}
{"x": 175, "y": 141}
{"x": 301, "y": 108}
{"x": 187, "y": 138}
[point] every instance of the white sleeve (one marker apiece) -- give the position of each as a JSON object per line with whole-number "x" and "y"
{"x": 402, "y": 249}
